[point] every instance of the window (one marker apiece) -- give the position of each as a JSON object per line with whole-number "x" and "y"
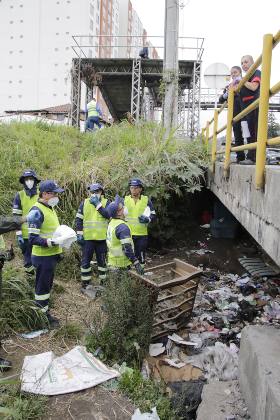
{"x": 54, "y": 94}
{"x": 11, "y": 22}
{"x": 57, "y": 33}
{"x": 97, "y": 19}
{"x": 20, "y": 96}
{"x": 91, "y": 24}
{"x": 10, "y": 67}
{"x": 20, "y": 66}
{"x": 55, "y": 79}
{"x": 11, "y": 37}
{"x": 66, "y": 64}
{"x": 55, "y": 64}
{"x": 67, "y": 48}
{"x": 10, "y": 52}
{"x": 91, "y": 9}
{"x": 20, "y": 81}
{"x": 21, "y": 20}
{"x": 21, "y": 36}
{"x": 57, "y": 18}
{"x": 56, "y": 49}
{"x": 67, "y": 33}
{"x": 68, "y": 17}
{"x": 21, "y": 5}
{"x": 20, "y": 51}
{"x": 65, "y": 94}
{"x": 10, "y": 81}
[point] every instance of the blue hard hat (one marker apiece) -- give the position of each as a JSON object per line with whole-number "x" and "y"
{"x": 114, "y": 206}
{"x": 135, "y": 182}
{"x": 50, "y": 186}
{"x": 28, "y": 173}
{"x": 95, "y": 187}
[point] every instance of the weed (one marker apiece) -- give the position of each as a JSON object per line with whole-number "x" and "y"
{"x": 18, "y": 311}
{"x": 125, "y": 333}
{"x": 146, "y": 394}
{"x": 69, "y": 331}
{"x": 15, "y": 405}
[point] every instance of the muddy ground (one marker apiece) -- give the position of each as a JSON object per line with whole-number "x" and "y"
{"x": 70, "y": 305}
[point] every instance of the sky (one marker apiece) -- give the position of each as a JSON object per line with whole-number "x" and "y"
{"x": 231, "y": 29}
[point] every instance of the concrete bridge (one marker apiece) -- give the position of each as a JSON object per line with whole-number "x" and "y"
{"x": 256, "y": 210}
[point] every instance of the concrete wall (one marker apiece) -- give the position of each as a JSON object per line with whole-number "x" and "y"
{"x": 257, "y": 211}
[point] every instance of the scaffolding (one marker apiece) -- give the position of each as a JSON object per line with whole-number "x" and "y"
{"x": 140, "y": 94}
{"x": 136, "y": 90}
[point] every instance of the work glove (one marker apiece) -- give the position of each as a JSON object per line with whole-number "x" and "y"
{"x": 20, "y": 242}
{"x": 55, "y": 241}
{"x": 94, "y": 200}
{"x": 138, "y": 267}
{"x": 80, "y": 239}
{"x": 144, "y": 219}
{"x": 33, "y": 216}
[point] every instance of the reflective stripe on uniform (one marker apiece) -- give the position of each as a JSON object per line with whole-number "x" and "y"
{"x": 80, "y": 216}
{"x": 42, "y": 297}
{"x": 86, "y": 270}
{"x": 17, "y": 212}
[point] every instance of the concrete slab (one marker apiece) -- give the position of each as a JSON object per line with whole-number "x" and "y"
{"x": 256, "y": 210}
{"x": 221, "y": 401}
{"x": 260, "y": 371}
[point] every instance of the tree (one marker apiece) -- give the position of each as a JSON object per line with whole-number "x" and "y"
{"x": 273, "y": 126}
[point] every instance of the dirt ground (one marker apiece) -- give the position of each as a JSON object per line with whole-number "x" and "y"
{"x": 70, "y": 306}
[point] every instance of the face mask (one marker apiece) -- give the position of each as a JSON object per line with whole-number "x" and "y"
{"x": 53, "y": 201}
{"x": 29, "y": 183}
{"x": 125, "y": 211}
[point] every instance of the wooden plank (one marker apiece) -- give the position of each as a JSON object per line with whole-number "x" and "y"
{"x": 180, "y": 280}
{"x": 185, "y": 266}
{"x": 170, "y": 308}
{"x": 177, "y": 294}
{"x": 174, "y": 317}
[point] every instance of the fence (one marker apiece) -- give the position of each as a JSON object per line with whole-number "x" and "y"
{"x": 269, "y": 42}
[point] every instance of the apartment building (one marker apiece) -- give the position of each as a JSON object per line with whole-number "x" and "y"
{"x": 36, "y": 47}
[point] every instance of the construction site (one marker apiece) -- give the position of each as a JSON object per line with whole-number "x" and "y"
{"x": 139, "y": 270}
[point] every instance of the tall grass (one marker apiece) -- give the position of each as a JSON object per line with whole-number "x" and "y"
{"x": 110, "y": 156}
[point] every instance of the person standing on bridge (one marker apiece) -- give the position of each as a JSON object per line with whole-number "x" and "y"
{"x": 93, "y": 115}
{"x": 248, "y": 94}
{"x": 236, "y": 76}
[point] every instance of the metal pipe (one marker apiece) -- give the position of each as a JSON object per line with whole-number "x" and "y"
{"x": 229, "y": 130}
{"x": 214, "y": 142}
{"x": 263, "y": 110}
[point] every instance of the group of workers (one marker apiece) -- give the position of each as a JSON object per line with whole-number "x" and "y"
{"x": 117, "y": 232}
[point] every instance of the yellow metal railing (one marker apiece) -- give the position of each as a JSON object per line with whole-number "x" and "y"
{"x": 269, "y": 42}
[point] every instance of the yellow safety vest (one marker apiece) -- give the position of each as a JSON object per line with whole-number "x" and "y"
{"x": 50, "y": 224}
{"x": 136, "y": 209}
{"x": 116, "y": 256}
{"x": 91, "y": 108}
{"x": 26, "y": 204}
{"x": 94, "y": 224}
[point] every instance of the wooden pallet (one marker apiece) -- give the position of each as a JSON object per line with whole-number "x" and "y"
{"x": 174, "y": 287}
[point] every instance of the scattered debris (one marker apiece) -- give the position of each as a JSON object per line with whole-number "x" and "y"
{"x": 179, "y": 340}
{"x": 156, "y": 349}
{"x": 33, "y": 334}
{"x": 145, "y": 416}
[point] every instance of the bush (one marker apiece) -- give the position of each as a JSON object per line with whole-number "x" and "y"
{"x": 124, "y": 335}
{"x": 147, "y": 394}
{"x": 111, "y": 156}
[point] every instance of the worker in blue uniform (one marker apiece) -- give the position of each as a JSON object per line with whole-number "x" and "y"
{"x": 140, "y": 212}
{"x": 46, "y": 251}
{"x": 8, "y": 224}
{"x": 91, "y": 226}
{"x": 23, "y": 201}
{"x": 121, "y": 254}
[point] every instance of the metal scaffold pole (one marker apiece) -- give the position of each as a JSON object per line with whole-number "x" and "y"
{"x": 136, "y": 89}
{"x": 76, "y": 92}
{"x": 171, "y": 67}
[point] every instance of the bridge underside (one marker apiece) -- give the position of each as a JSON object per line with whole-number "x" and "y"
{"x": 257, "y": 211}
{"x": 114, "y": 79}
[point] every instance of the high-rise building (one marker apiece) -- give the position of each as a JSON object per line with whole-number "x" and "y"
{"x": 36, "y": 47}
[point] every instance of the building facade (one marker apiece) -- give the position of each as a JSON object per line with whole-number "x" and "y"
{"x": 36, "y": 46}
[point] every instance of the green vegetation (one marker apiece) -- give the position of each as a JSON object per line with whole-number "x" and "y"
{"x": 18, "y": 311}
{"x": 124, "y": 335}
{"x": 147, "y": 394}
{"x": 69, "y": 331}
{"x": 17, "y": 406}
{"x": 111, "y": 156}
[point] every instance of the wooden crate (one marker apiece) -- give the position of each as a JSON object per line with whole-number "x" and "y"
{"x": 174, "y": 287}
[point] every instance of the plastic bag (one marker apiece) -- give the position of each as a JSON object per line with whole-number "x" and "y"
{"x": 145, "y": 416}
{"x": 65, "y": 236}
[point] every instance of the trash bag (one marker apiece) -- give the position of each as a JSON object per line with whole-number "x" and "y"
{"x": 186, "y": 397}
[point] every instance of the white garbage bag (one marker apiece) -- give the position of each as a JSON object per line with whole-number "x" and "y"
{"x": 76, "y": 370}
{"x": 65, "y": 236}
